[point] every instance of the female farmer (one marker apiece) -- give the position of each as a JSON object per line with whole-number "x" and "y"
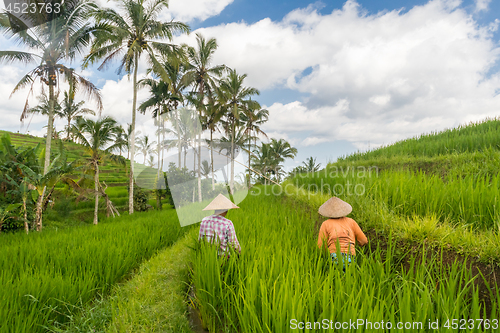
{"x": 341, "y": 229}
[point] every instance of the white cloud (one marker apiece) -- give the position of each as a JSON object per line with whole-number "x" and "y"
{"x": 482, "y": 5}
{"x": 396, "y": 73}
{"x": 189, "y": 10}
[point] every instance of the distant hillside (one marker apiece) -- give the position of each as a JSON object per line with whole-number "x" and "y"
{"x": 63, "y": 209}
{"x": 474, "y": 137}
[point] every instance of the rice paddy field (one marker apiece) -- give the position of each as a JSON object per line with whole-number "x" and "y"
{"x": 282, "y": 280}
{"x": 429, "y": 206}
{"x": 47, "y": 277}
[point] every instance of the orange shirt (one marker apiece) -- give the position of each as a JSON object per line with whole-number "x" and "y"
{"x": 343, "y": 229}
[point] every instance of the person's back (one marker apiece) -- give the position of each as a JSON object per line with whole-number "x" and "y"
{"x": 343, "y": 230}
{"x": 216, "y": 228}
{"x": 339, "y": 229}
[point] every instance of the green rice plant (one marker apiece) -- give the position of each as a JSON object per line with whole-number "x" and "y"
{"x": 153, "y": 300}
{"x": 469, "y": 200}
{"x": 477, "y": 136}
{"x": 44, "y": 275}
{"x": 282, "y": 279}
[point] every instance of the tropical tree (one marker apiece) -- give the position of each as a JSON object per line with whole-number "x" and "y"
{"x": 121, "y": 141}
{"x": 130, "y": 35}
{"x": 252, "y": 118}
{"x": 43, "y": 107}
{"x": 97, "y": 136}
{"x": 202, "y": 76}
{"x": 51, "y": 39}
{"x": 70, "y": 110}
{"x": 31, "y": 177}
{"x": 235, "y": 99}
{"x": 151, "y": 161}
{"x": 310, "y": 165}
{"x": 145, "y": 146}
{"x": 282, "y": 150}
{"x": 188, "y": 127}
{"x": 264, "y": 160}
{"x": 213, "y": 114}
{"x": 205, "y": 169}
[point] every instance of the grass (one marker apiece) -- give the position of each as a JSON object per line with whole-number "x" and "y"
{"x": 473, "y": 137}
{"x": 282, "y": 278}
{"x": 154, "y": 300}
{"x": 469, "y": 200}
{"x": 375, "y": 215}
{"x": 45, "y": 274}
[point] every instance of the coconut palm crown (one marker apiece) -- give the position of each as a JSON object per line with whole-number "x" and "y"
{"x": 51, "y": 44}
{"x": 127, "y": 35}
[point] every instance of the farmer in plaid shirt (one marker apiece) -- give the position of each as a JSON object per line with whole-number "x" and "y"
{"x": 217, "y": 228}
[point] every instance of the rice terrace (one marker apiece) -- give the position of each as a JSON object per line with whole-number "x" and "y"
{"x": 148, "y": 183}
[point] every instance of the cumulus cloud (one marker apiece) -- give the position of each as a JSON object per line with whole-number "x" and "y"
{"x": 189, "y": 10}
{"x": 482, "y": 5}
{"x": 395, "y": 73}
{"x": 371, "y": 79}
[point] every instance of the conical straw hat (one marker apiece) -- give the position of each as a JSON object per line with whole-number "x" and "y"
{"x": 220, "y": 203}
{"x": 335, "y": 208}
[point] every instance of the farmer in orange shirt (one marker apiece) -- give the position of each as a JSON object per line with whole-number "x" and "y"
{"x": 341, "y": 229}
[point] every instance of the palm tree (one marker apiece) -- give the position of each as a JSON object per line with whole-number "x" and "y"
{"x": 131, "y": 35}
{"x": 50, "y": 42}
{"x": 151, "y": 161}
{"x": 44, "y": 106}
{"x": 205, "y": 169}
{"x": 233, "y": 96}
{"x": 70, "y": 109}
{"x": 265, "y": 160}
{"x": 121, "y": 141}
{"x": 213, "y": 114}
{"x": 202, "y": 77}
{"x": 96, "y": 136}
{"x": 252, "y": 118}
{"x": 282, "y": 149}
{"x": 188, "y": 126}
{"x": 310, "y": 165}
{"x": 145, "y": 146}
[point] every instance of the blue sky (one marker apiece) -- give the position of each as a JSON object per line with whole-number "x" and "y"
{"x": 336, "y": 76}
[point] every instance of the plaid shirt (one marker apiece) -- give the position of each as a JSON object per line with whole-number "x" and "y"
{"x": 220, "y": 228}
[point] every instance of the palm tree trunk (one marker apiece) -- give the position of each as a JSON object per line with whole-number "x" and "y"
{"x": 69, "y": 124}
{"x": 132, "y": 140}
{"x": 96, "y": 188}
{"x": 158, "y": 199}
{"x": 249, "y": 149}
{"x": 185, "y": 157}
{"x": 39, "y": 212}
{"x": 199, "y": 167}
{"x": 177, "y": 113}
{"x": 212, "y": 158}
{"x": 231, "y": 184}
{"x": 26, "y": 227}
{"x": 163, "y": 143}
{"x": 48, "y": 141}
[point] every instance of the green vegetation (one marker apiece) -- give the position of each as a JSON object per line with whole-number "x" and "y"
{"x": 46, "y": 275}
{"x": 469, "y": 200}
{"x": 152, "y": 301}
{"x": 281, "y": 275}
{"x": 466, "y": 138}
